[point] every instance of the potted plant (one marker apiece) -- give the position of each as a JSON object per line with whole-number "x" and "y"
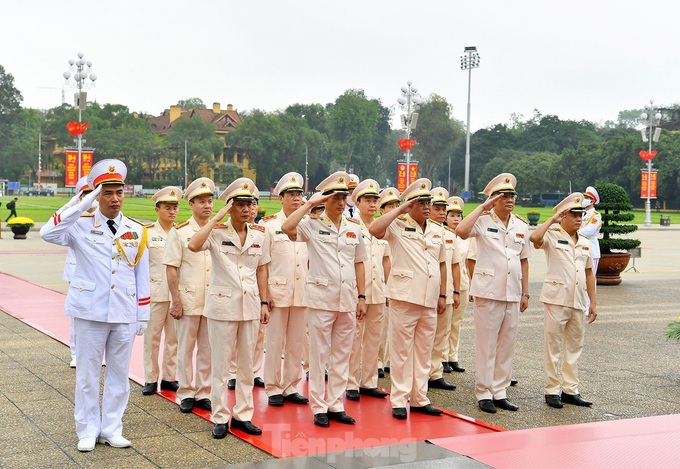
{"x": 20, "y": 226}
{"x": 533, "y": 217}
{"x": 615, "y": 208}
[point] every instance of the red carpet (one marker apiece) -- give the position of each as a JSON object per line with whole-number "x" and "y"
{"x": 287, "y": 431}
{"x": 635, "y": 443}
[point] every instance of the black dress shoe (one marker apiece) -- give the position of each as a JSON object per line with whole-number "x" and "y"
{"x": 246, "y": 426}
{"x": 204, "y": 404}
{"x": 486, "y": 405}
{"x": 575, "y": 399}
{"x": 307, "y": 375}
{"x": 321, "y": 420}
{"x": 399, "y": 413}
{"x": 373, "y": 392}
{"x": 553, "y": 400}
{"x": 505, "y": 404}
{"x": 441, "y": 383}
{"x": 275, "y": 400}
{"x": 352, "y": 394}
{"x": 231, "y": 384}
{"x": 341, "y": 417}
{"x": 427, "y": 409}
{"x": 381, "y": 373}
{"x": 447, "y": 367}
{"x": 187, "y": 405}
{"x": 456, "y": 367}
{"x": 149, "y": 389}
{"x": 219, "y": 431}
{"x": 259, "y": 382}
{"x": 514, "y": 382}
{"x": 169, "y": 385}
{"x": 296, "y": 398}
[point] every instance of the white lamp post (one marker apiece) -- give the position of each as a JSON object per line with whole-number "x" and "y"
{"x": 410, "y": 101}
{"x": 468, "y": 62}
{"x": 651, "y": 118}
{"x": 80, "y": 70}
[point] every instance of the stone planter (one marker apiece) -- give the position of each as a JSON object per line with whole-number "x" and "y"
{"x": 20, "y": 231}
{"x": 610, "y": 267}
{"x": 533, "y": 218}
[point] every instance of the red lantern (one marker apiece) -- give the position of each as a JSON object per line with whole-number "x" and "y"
{"x": 77, "y": 128}
{"x": 406, "y": 143}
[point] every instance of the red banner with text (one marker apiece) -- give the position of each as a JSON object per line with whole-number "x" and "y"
{"x": 652, "y": 184}
{"x": 71, "y": 166}
{"x": 401, "y": 174}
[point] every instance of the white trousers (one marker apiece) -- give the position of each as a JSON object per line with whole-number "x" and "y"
{"x": 441, "y": 343}
{"x": 160, "y": 323}
{"x": 94, "y": 340}
{"x": 331, "y": 334}
{"x": 285, "y": 335}
{"x": 363, "y": 362}
{"x": 412, "y": 329}
{"x": 495, "y": 339}
{"x": 192, "y": 333}
{"x": 227, "y": 337}
{"x": 72, "y": 338}
{"x": 456, "y": 323}
{"x": 564, "y": 330}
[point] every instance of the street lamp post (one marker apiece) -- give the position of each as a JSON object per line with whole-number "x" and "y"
{"x": 651, "y": 118}
{"x": 306, "y": 163}
{"x": 80, "y": 70}
{"x": 410, "y": 101}
{"x": 186, "y": 172}
{"x": 468, "y": 62}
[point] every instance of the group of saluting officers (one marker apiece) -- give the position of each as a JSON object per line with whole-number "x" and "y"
{"x": 347, "y": 295}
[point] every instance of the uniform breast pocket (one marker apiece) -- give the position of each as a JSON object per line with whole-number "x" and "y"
{"x": 254, "y": 251}
{"x": 80, "y": 295}
{"x": 401, "y": 279}
{"x": 352, "y": 241}
{"x": 220, "y": 297}
{"x": 492, "y": 235}
{"x": 278, "y": 284}
{"x": 229, "y": 250}
{"x": 281, "y": 244}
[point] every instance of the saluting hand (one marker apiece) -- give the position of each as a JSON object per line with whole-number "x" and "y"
{"x": 319, "y": 199}
{"x": 224, "y": 211}
{"x": 490, "y": 202}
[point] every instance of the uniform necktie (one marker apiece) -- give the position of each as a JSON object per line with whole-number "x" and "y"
{"x": 112, "y": 226}
{"x": 351, "y": 212}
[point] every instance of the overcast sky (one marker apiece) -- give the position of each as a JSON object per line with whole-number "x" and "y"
{"x": 577, "y": 59}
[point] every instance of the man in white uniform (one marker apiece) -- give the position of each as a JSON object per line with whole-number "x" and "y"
{"x": 351, "y": 209}
{"x": 109, "y": 299}
{"x": 288, "y": 317}
{"x": 500, "y": 286}
{"x": 161, "y": 324}
{"x": 236, "y": 303}
{"x": 590, "y": 228}
{"x": 417, "y": 276}
{"x": 334, "y": 294}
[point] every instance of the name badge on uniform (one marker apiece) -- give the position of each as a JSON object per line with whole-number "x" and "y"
{"x": 562, "y": 241}
{"x": 327, "y": 233}
{"x": 409, "y": 228}
{"x": 279, "y": 232}
{"x": 97, "y": 232}
{"x": 227, "y": 243}
{"x": 157, "y": 239}
{"x": 493, "y": 230}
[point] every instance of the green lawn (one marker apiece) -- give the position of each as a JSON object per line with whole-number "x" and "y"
{"x": 41, "y": 208}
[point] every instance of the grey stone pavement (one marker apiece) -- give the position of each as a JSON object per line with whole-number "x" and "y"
{"x": 628, "y": 369}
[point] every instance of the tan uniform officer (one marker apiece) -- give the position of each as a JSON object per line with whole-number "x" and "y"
{"x": 161, "y": 324}
{"x": 334, "y": 293}
{"x": 417, "y": 291}
{"x": 388, "y": 201}
{"x": 569, "y": 283}
{"x": 288, "y": 317}
{"x": 188, "y": 280}
{"x": 441, "y": 337}
{"x": 363, "y": 363}
{"x": 236, "y": 303}
{"x": 500, "y": 286}
{"x": 466, "y": 254}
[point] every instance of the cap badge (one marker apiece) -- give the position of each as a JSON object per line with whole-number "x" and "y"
{"x": 172, "y": 193}
{"x": 203, "y": 184}
{"x": 292, "y": 179}
{"x": 112, "y": 169}
{"x": 578, "y": 199}
{"x": 341, "y": 179}
{"x": 390, "y": 193}
{"x": 423, "y": 186}
{"x": 507, "y": 180}
{"x": 244, "y": 185}
{"x": 370, "y": 184}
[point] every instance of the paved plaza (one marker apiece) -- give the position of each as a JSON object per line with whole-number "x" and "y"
{"x": 628, "y": 369}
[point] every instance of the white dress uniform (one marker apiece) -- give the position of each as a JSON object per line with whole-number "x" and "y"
{"x": 351, "y": 210}
{"x": 465, "y": 249}
{"x": 233, "y": 308}
{"x": 108, "y": 295}
{"x": 592, "y": 222}
{"x": 192, "y": 327}
{"x": 288, "y": 318}
{"x": 564, "y": 296}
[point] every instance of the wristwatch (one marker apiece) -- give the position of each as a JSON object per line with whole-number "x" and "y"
{"x": 526, "y": 295}
{"x": 264, "y": 303}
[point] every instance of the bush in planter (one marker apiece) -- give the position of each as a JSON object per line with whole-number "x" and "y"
{"x": 533, "y": 217}
{"x": 615, "y": 208}
{"x": 20, "y": 226}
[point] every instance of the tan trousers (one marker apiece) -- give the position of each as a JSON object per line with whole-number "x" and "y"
{"x": 331, "y": 334}
{"x": 441, "y": 343}
{"x": 412, "y": 329}
{"x": 285, "y": 334}
{"x": 384, "y": 350}
{"x": 225, "y": 338}
{"x": 363, "y": 363}
{"x": 456, "y": 323}
{"x": 192, "y": 333}
{"x": 160, "y": 322}
{"x": 564, "y": 330}
{"x": 495, "y": 338}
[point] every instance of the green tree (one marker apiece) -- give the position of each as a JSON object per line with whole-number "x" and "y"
{"x": 191, "y": 103}
{"x": 202, "y": 145}
{"x": 21, "y": 151}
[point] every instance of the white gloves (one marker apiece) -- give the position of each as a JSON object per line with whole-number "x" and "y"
{"x": 88, "y": 200}
{"x": 141, "y": 327}
{"x": 74, "y": 200}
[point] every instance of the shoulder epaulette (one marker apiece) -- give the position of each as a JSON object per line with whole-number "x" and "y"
{"x": 554, "y": 228}
{"x": 448, "y": 228}
{"x": 402, "y": 217}
{"x": 182, "y": 225}
{"x": 87, "y": 214}
{"x": 353, "y": 220}
{"x": 268, "y": 217}
{"x": 136, "y": 221}
{"x": 434, "y": 222}
{"x": 257, "y": 227}
{"x": 149, "y": 225}
{"x": 219, "y": 225}
{"x": 486, "y": 212}
{"x": 522, "y": 219}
